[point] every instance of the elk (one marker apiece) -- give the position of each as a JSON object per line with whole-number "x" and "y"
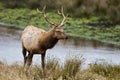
{"x": 38, "y": 41}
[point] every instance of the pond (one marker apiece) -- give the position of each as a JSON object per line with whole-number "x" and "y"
{"x": 91, "y": 51}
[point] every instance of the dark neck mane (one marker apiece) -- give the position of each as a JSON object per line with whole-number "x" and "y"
{"x": 49, "y": 41}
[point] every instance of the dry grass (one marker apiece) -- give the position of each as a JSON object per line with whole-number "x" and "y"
{"x": 111, "y": 72}
{"x": 71, "y": 70}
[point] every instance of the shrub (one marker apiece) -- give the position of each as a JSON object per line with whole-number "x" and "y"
{"x": 71, "y": 67}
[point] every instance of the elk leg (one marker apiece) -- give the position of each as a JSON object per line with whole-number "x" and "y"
{"x": 29, "y": 59}
{"x": 43, "y": 63}
{"x": 24, "y": 55}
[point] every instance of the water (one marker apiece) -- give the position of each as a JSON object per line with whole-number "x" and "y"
{"x": 91, "y": 51}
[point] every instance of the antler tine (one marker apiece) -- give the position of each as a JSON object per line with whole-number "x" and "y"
{"x": 59, "y": 12}
{"x": 44, "y": 14}
{"x": 43, "y": 10}
{"x": 64, "y": 18}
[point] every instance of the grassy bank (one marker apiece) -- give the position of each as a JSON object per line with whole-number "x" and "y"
{"x": 71, "y": 70}
{"x": 19, "y": 18}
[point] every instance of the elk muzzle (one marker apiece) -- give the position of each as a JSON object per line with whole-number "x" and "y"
{"x": 65, "y": 36}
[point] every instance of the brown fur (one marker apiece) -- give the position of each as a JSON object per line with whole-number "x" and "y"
{"x": 37, "y": 41}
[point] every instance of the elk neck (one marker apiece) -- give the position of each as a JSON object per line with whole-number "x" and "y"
{"x": 49, "y": 40}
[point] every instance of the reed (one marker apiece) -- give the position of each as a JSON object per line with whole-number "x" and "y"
{"x": 70, "y": 70}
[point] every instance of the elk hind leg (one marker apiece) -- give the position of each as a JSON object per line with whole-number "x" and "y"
{"x": 29, "y": 59}
{"x": 24, "y": 51}
{"x": 43, "y": 64}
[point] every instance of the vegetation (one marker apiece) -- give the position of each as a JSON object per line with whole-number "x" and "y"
{"x": 107, "y": 10}
{"x": 111, "y": 72}
{"x": 83, "y": 27}
{"x": 71, "y": 70}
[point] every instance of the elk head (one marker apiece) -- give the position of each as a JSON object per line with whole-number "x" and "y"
{"x": 56, "y": 30}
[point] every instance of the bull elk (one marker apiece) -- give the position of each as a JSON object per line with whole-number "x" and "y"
{"x": 37, "y": 41}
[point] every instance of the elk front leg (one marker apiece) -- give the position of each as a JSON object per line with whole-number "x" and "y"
{"x": 43, "y": 64}
{"x": 29, "y": 59}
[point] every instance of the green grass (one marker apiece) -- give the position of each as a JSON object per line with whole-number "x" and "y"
{"x": 70, "y": 70}
{"x": 20, "y": 18}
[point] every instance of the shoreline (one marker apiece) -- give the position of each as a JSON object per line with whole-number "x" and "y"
{"x": 112, "y": 44}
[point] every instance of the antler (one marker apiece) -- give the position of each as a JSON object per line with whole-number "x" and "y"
{"x": 64, "y": 18}
{"x": 44, "y": 14}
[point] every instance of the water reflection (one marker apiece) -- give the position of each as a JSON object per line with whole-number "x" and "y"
{"x": 77, "y": 42}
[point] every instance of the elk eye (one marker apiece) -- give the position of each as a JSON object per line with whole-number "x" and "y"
{"x": 57, "y": 30}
